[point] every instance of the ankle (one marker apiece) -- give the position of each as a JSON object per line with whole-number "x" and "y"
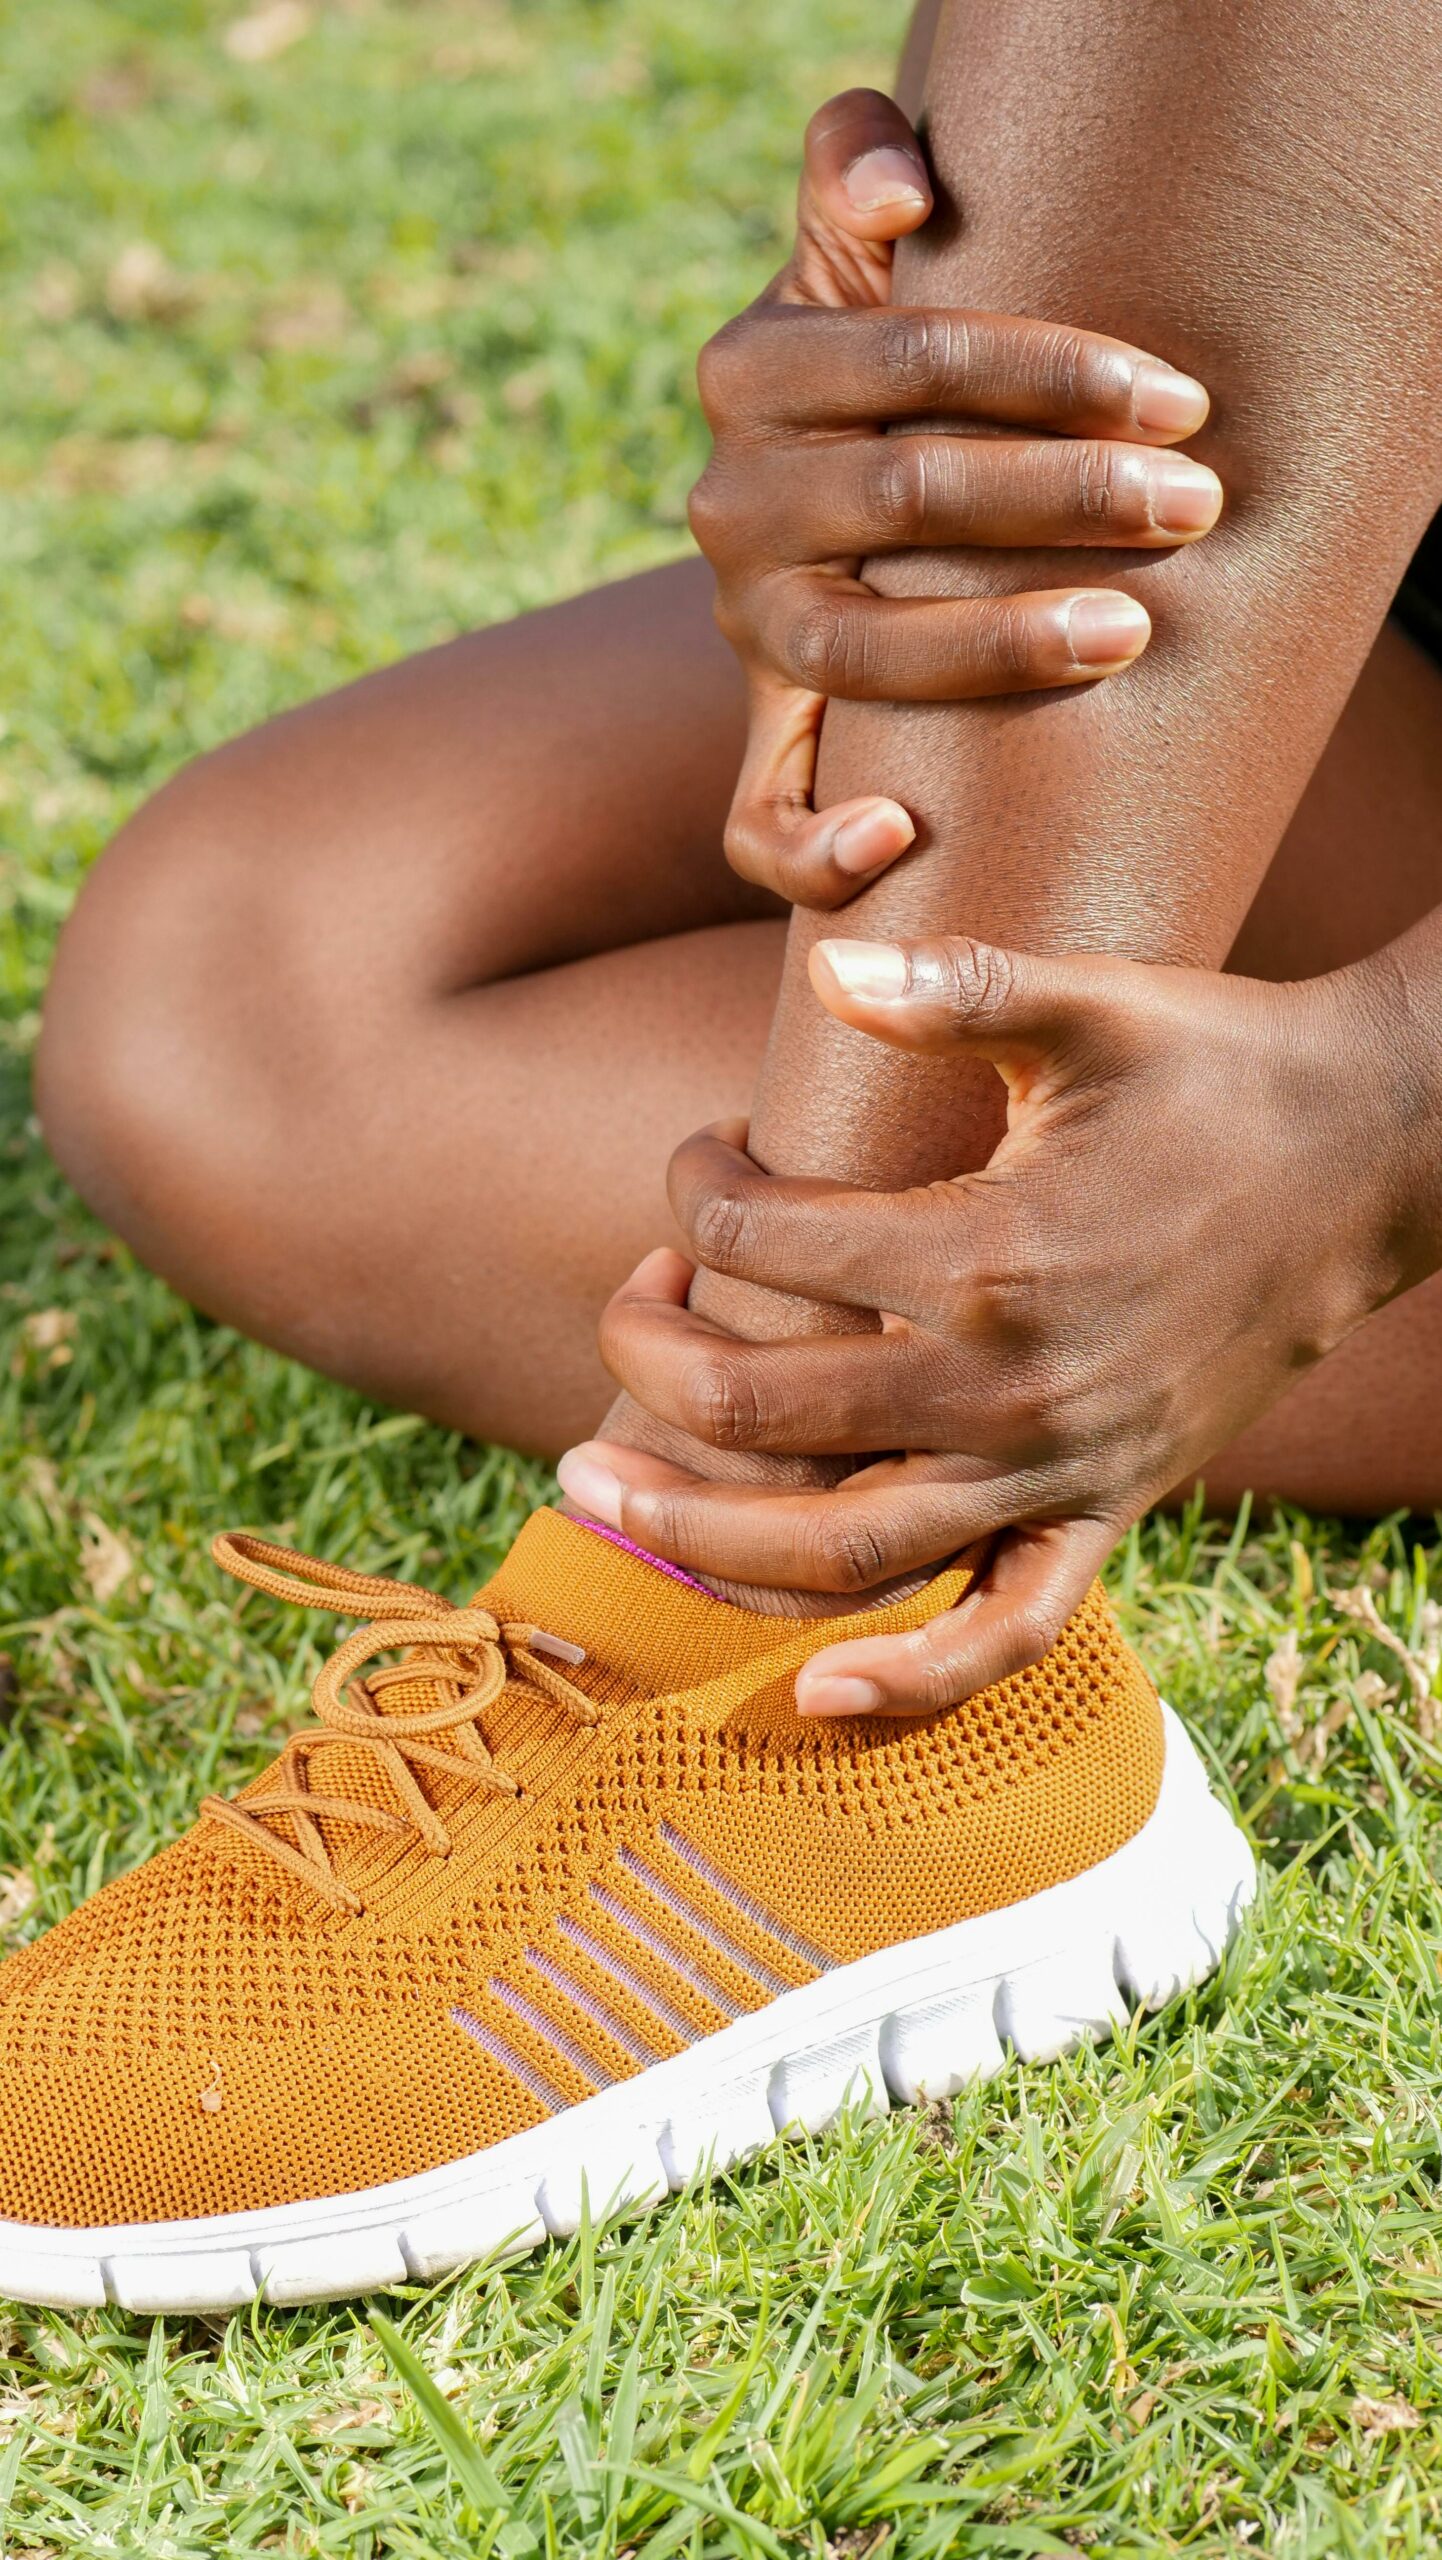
{"x": 739, "y": 1308}
{"x": 764, "y": 1603}
{"x": 632, "y": 1427}
{"x": 761, "y": 1600}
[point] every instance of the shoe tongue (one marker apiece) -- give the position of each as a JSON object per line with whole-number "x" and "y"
{"x": 643, "y": 1628}
{"x": 655, "y": 1632}
{"x": 648, "y": 1626}
{"x": 646, "y": 1632}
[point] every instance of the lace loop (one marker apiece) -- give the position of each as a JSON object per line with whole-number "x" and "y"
{"x": 465, "y": 1653}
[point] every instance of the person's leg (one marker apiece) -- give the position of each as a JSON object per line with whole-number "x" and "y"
{"x": 1138, "y": 818}
{"x": 1362, "y": 861}
{"x": 374, "y": 1030}
{"x": 196, "y": 929}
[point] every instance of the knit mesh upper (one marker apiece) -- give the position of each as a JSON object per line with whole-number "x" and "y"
{"x": 663, "y": 1870}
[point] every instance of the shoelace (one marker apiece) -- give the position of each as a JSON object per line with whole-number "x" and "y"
{"x": 467, "y": 1653}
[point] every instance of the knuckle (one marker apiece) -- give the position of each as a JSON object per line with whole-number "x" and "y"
{"x": 720, "y": 1226}
{"x": 1096, "y": 380}
{"x": 936, "y": 1680}
{"x": 999, "y": 1297}
{"x": 1034, "y": 1428}
{"x": 1057, "y": 355}
{"x": 900, "y": 495}
{"x": 719, "y": 1403}
{"x": 819, "y": 889}
{"x": 719, "y": 366}
{"x": 1032, "y": 1629}
{"x": 849, "y": 1554}
{"x": 1082, "y": 378}
{"x": 729, "y": 611}
{"x": 848, "y": 109}
{"x": 1007, "y": 650}
{"x": 1114, "y": 494}
{"x": 745, "y": 848}
{"x": 842, "y": 120}
{"x": 825, "y": 653}
{"x": 711, "y": 510}
{"x": 1019, "y": 1291}
{"x": 983, "y": 978}
{"x": 1034, "y": 1268}
{"x": 666, "y": 1521}
{"x": 957, "y": 1299}
{"x": 1101, "y": 486}
{"x": 615, "y": 1341}
{"x": 916, "y": 351}
{"x": 1062, "y": 1391}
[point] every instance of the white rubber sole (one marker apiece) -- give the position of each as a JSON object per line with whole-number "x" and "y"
{"x": 915, "y": 2021}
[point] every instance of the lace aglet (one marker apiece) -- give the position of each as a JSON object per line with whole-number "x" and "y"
{"x": 557, "y": 1645}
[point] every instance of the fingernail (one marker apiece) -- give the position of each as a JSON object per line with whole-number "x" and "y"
{"x": 1186, "y": 496}
{"x": 591, "y": 1487}
{"x": 1167, "y": 402}
{"x": 827, "y": 1697}
{"x": 1106, "y": 629}
{"x": 875, "y": 836}
{"x": 875, "y": 969}
{"x": 883, "y": 177}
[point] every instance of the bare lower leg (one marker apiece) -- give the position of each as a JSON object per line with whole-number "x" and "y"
{"x": 1067, "y": 823}
{"x": 559, "y": 1089}
{"x": 1362, "y": 1432}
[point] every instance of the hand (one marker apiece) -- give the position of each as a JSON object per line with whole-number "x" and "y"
{"x": 1200, "y": 1191}
{"x": 804, "y": 482}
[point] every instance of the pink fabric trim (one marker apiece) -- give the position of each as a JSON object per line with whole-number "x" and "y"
{"x": 643, "y": 1555}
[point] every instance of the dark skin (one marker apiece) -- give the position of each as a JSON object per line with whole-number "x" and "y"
{"x": 799, "y": 391}
{"x": 338, "y": 909}
{"x": 373, "y": 904}
{"x": 1057, "y": 827}
{"x": 561, "y": 1022}
{"x": 1084, "y": 1389}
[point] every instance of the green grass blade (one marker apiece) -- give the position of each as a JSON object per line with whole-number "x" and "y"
{"x": 468, "y": 2464}
{"x": 621, "y": 2432}
{"x": 594, "y": 2386}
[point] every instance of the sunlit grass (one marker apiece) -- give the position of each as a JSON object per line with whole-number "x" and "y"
{"x": 311, "y": 359}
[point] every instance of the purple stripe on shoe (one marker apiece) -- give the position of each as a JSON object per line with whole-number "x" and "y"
{"x": 643, "y": 1555}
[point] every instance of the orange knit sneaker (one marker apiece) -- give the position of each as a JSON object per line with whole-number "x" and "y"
{"x": 571, "y": 1894}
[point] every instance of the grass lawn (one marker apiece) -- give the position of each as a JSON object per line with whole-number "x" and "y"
{"x": 316, "y": 350}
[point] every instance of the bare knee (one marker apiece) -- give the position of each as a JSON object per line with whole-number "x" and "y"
{"x": 222, "y": 1066}
{"x": 163, "y": 1048}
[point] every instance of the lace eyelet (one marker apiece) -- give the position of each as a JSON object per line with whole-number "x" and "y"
{"x": 451, "y": 1647}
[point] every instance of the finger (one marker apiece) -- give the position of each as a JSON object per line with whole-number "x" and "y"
{"x": 774, "y": 835}
{"x": 1037, "y": 1577}
{"x": 958, "y": 994}
{"x": 864, "y": 182}
{"x": 813, "y": 1238}
{"x": 816, "y": 1395}
{"x": 867, "y": 647}
{"x": 883, "y": 1522}
{"x": 835, "y": 637}
{"x": 924, "y": 492}
{"x": 857, "y": 367}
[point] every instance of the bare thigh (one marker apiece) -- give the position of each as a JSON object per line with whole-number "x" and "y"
{"x": 374, "y": 1032}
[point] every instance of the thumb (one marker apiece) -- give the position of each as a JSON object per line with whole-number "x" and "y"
{"x": 863, "y": 185}
{"x": 957, "y": 994}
